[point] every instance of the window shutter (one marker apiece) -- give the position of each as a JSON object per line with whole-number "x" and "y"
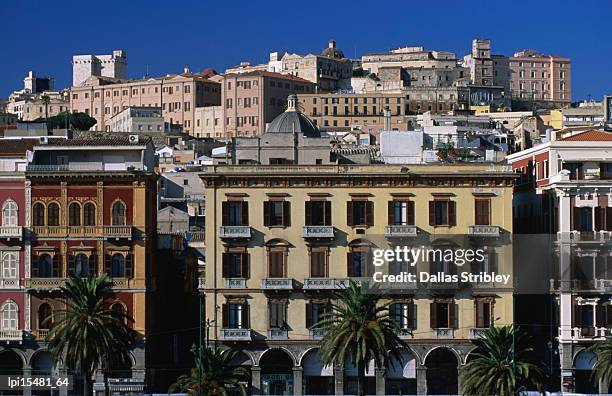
{"x": 452, "y": 213}
{"x": 413, "y": 316}
{"x": 225, "y": 265}
{"x": 108, "y": 264}
{"x": 225, "y": 213}
{"x": 286, "y": 213}
{"x": 245, "y": 265}
{"x": 575, "y": 218}
{"x": 35, "y": 267}
{"x": 328, "y": 214}
{"x": 599, "y": 316}
{"x": 390, "y": 213}
{"x": 577, "y": 315}
{"x": 71, "y": 264}
{"x": 479, "y": 314}
{"x": 225, "y": 313}
{"x": 349, "y": 213}
{"x": 308, "y": 315}
{"x": 432, "y": 213}
{"x": 56, "y": 266}
{"x": 244, "y": 212}
{"x": 433, "y": 320}
{"x": 272, "y": 317}
{"x": 129, "y": 267}
{"x": 492, "y": 256}
{"x": 609, "y": 316}
{"x": 609, "y": 218}
{"x": 93, "y": 265}
{"x": 369, "y": 213}
{"x": 453, "y": 315}
{"x": 307, "y": 212}
{"x": 349, "y": 264}
{"x": 410, "y": 213}
{"x": 246, "y": 323}
{"x": 600, "y": 218}
{"x": 266, "y": 214}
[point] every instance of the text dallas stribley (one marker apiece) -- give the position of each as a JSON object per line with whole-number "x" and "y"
{"x": 441, "y": 277}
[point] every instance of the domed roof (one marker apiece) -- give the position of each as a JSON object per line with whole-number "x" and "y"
{"x": 293, "y": 121}
{"x": 332, "y": 52}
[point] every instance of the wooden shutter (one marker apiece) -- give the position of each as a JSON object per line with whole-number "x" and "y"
{"x": 577, "y": 315}
{"x": 452, "y": 213}
{"x": 286, "y": 213}
{"x": 453, "y": 315}
{"x": 479, "y": 305}
{"x": 244, "y": 262}
{"x": 412, "y": 321}
{"x": 575, "y": 218}
{"x": 225, "y": 213}
{"x": 225, "y": 314}
{"x": 433, "y": 320}
{"x": 93, "y": 264}
{"x": 349, "y": 213}
{"x": 225, "y": 265}
{"x": 129, "y": 265}
{"x": 600, "y": 218}
{"x": 71, "y": 265}
{"x": 108, "y": 264}
{"x": 244, "y": 213}
{"x": 432, "y": 213}
{"x": 369, "y": 212}
{"x": 308, "y": 212}
{"x": 492, "y": 257}
{"x": 609, "y": 316}
{"x": 246, "y": 322}
{"x": 410, "y": 216}
{"x": 391, "y": 212}
{"x": 35, "y": 267}
{"x": 56, "y": 266}
{"x": 328, "y": 213}
{"x": 349, "y": 264}
{"x": 266, "y": 214}
{"x": 308, "y": 315}
{"x": 609, "y": 218}
{"x": 599, "y": 316}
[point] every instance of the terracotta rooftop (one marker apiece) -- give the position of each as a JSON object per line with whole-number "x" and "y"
{"x": 98, "y": 141}
{"x": 16, "y": 147}
{"x": 590, "y": 136}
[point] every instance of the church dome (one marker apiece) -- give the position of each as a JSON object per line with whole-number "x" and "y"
{"x": 332, "y": 52}
{"x": 293, "y": 121}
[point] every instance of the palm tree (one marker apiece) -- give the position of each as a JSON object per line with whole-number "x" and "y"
{"x": 45, "y": 99}
{"x": 214, "y": 374}
{"x": 602, "y": 370}
{"x": 89, "y": 333}
{"x": 497, "y": 367}
{"x": 359, "y": 326}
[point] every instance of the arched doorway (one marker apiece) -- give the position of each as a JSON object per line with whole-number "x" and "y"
{"x": 276, "y": 373}
{"x": 318, "y": 379}
{"x": 583, "y": 366}
{"x": 42, "y": 364}
{"x": 441, "y": 366}
{"x": 401, "y": 376}
{"x": 244, "y": 361}
{"x": 10, "y": 364}
{"x": 351, "y": 374}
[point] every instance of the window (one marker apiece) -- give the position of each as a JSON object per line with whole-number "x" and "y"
{"x": 46, "y": 266}
{"x": 53, "y": 214}
{"x": 401, "y": 212}
{"x": 605, "y": 170}
{"x": 483, "y": 308}
{"x": 9, "y": 213}
{"x": 276, "y": 262}
{"x": 277, "y": 213}
{"x": 8, "y": 262}
{"x": 38, "y": 214}
{"x": 442, "y": 314}
{"x": 582, "y": 219}
{"x": 360, "y": 213}
{"x": 318, "y": 213}
{"x": 89, "y": 214}
{"x": 79, "y": 265}
{"x": 319, "y": 262}
{"x": 315, "y": 312}
{"x": 235, "y": 213}
{"x": 118, "y": 266}
{"x": 404, "y": 314}
{"x": 277, "y": 314}
{"x": 357, "y": 261}
{"x": 9, "y": 316}
{"x": 45, "y": 316}
{"x": 74, "y": 214}
{"x": 442, "y": 212}
{"x": 235, "y": 265}
{"x": 236, "y": 315}
{"x": 482, "y": 211}
{"x": 118, "y": 214}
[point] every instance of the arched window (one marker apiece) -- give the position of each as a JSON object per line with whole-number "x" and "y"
{"x": 9, "y": 264}
{"x": 79, "y": 266}
{"x": 53, "y": 214}
{"x": 9, "y": 213}
{"x": 118, "y": 212}
{"x": 38, "y": 214}
{"x": 89, "y": 214}
{"x": 45, "y": 316}
{"x": 9, "y": 316}
{"x": 74, "y": 214}
{"x": 118, "y": 268}
{"x": 44, "y": 267}
{"x": 119, "y": 308}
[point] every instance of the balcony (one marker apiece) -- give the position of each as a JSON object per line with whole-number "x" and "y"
{"x": 9, "y": 283}
{"x": 443, "y": 333}
{"x": 40, "y": 334}
{"x": 400, "y": 231}
{"x": 123, "y": 232}
{"x": 318, "y": 232}
{"x": 483, "y": 231}
{"x": 316, "y": 334}
{"x": 589, "y": 333}
{"x": 117, "y": 231}
{"x": 277, "y": 283}
{"x": 130, "y": 283}
{"x": 582, "y": 285}
{"x": 11, "y": 232}
{"x": 477, "y": 333}
{"x": 234, "y": 283}
{"x": 235, "y": 232}
{"x": 278, "y": 334}
{"x": 45, "y": 283}
{"x": 235, "y": 335}
{"x": 11, "y": 335}
{"x": 325, "y": 283}
{"x": 585, "y": 236}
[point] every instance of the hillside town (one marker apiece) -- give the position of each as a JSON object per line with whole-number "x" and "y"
{"x": 231, "y": 208}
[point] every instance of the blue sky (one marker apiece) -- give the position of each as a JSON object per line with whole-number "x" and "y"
{"x": 164, "y": 35}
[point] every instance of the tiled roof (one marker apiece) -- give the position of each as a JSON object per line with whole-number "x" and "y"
{"x": 16, "y": 146}
{"x": 590, "y": 136}
{"x": 97, "y": 140}
{"x": 264, "y": 73}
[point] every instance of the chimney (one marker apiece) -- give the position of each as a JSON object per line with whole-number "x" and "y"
{"x": 387, "y": 116}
